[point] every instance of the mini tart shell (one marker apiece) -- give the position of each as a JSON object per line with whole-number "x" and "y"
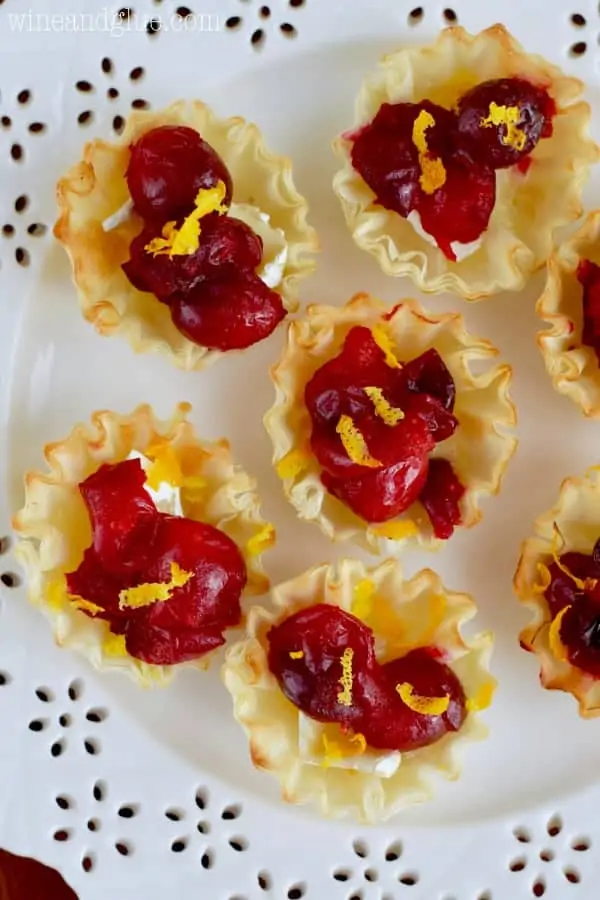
{"x": 519, "y": 237}
{"x": 54, "y": 526}
{"x": 577, "y": 515}
{"x": 271, "y": 721}
{"x": 572, "y": 366}
{"x": 479, "y": 450}
{"x": 96, "y": 187}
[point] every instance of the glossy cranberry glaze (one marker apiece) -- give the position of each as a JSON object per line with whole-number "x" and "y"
{"x": 311, "y": 679}
{"x": 536, "y": 110}
{"x": 588, "y": 275}
{"x": 167, "y": 167}
{"x": 580, "y": 625}
{"x": 134, "y": 544}
{"x": 468, "y": 144}
{"x": 215, "y": 297}
{"x": 424, "y": 391}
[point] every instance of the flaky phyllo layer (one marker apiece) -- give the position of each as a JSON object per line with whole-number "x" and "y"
{"x": 479, "y": 450}
{"x": 573, "y": 524}
{"x": 54, "y": 526}
{"x": 95, "y": 189}
{"x": 529, "y": 207}
{"x": 572, "y": 365}
{"x": 317, "y": 763}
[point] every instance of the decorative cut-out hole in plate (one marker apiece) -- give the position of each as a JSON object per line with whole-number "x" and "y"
{"x": 92, "y": 746}
{"x": 450, "y": 16}
{"x": 371, "y": 875}
{"x": 296, "y": 892}
{"x": 207, "y": 860}
{"x": 94, "y": 825}
{"x": 75, "y": 690}
{"x": 65, "y": 721}
{"x": 233, "y": 22}
{"x": 174, "y": 815}
{"x": 62, "y": 836}
{"x": 409, "y": 879}
{"x": 572, "y": 875}
{"x": 38, "y": 725}
{"x": 203, "y": 827}
{"x": 239, "y": 844}
{"x": 4, "y": 679}
{"x": 129, "y": 812}
{"x": 581, "y": 844}
{"x": 547, "y": 855}
{"x": 361, "y": 849}
{"x": 554, "y": 826}
{"x": 97, "y": 715}
{"x": 88, "y": 862}
{"x": 179, "y": 845}
{"x": 99, "y": 791}
{"x": 538, "y": 888}
{"x": 523, "y": 835}
{"x": 123, "y": 848}
{"x": 416, "y": 15}
{"x": 578, "y": 48}
{"x": 518, "y": 865}
{"x": 578, "y": 20}
{"x": 64, "y": 802}
{"x": 393, "y": 852}
{"x": 57, "y": 749}
{"x": 10, "y": 579}
{"x": 232, "y": 812}
{"x": 45, "y": 695}
{"x": 153, "y": 27}
{"x": 264, "y": 881}
{"x": 202, "y": 798}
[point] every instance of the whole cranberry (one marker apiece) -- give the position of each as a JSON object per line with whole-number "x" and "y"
{"x": 228, "y": 314}
{"x": 492, "y": 143}
{"x": 167, "y": 167}
{"x": 386, "y": 157}
{"x": 227, "y": 245}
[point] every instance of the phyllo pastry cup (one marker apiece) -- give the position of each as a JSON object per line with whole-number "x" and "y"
{"x": 531, "y": 201}
{"x": 195, "y": 479}
{"x": 564, "y": 629}
{"x": 479, "y": 450}
{"x": 97, "y": 226}
{"x": 322, "y": 764}
{"x": 572, "y": 364}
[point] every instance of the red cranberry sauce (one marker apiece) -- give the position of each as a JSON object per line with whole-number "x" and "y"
{"x": 134, "y": 544}
{"x": 588, "y": 275}
{"x": 418, "y": 398}
{"x": 215, "y": 297}
{"x": 441, "y": 163}
{"x": 324, "y": 661}
{"x": 580, "y": 624}
{"x": 167, "y": 167}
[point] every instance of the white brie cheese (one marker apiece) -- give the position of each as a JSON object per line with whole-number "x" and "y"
{"x": 461, "y": 251}
{"x": 275, "y": 248}
{"x": 311, "y": 750}
{"x": 118, "y": 217}
{"x": 167, "y": 498}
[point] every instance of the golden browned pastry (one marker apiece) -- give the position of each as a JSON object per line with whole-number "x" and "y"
{"x": 205, "y": 220}
{"x": 570, "y": 346}
{"x": 437, "y": 434}
{"x": 358, "y": 686}
{"x": 465, "y": 157}
{"x": 138, "y": 542}
{"x": 558, "y": 580}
